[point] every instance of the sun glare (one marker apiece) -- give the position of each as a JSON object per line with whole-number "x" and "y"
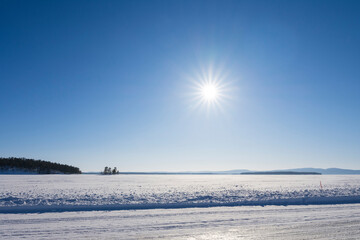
{"x": 209, "y": 92}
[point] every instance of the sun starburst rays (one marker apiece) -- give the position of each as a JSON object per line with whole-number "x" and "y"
{"x": 210, "y": 91}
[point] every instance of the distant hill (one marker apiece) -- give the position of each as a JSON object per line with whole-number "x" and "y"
{"x": 30, "y": 166}
{"x": 281, "y": 173}
{"x": 327, "y": 171}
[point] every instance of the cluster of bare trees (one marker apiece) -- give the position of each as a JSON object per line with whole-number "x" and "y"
{"x": 109, "y": 171}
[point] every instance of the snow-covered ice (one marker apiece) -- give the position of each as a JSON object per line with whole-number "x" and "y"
{"x": 179, "y": 207}
{"x": 45, "y": 193}
{"x": 324, "y": 222}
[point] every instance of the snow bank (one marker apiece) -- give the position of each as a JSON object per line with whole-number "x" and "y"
{"x": 46, "y": 193}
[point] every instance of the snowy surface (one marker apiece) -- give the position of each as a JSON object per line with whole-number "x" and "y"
{"x": 48, "y": 193}
{"x": 324, "y": 222}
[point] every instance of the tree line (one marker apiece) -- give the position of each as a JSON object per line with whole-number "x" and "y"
{"x": 39, "y": 166}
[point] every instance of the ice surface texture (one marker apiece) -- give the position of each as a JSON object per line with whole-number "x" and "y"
{"x": 44, "y": 193}
{"x": 325, "y": 222}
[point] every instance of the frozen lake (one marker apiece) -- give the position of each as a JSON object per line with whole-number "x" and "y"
{"x": 179, "y": 207}
{"x": 270, "y": 222}
{"x": 46, "y": 193}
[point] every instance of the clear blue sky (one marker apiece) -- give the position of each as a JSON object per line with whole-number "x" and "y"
{"x": 95, "y": 83}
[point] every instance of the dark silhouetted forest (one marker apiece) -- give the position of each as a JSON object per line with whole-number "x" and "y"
{"x": 39, "y": 166}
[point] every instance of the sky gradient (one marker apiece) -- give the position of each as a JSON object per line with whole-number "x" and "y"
{"x": 111, "y": 83}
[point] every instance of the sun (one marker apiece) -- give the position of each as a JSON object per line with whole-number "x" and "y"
{"x": 209, "y": 92}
